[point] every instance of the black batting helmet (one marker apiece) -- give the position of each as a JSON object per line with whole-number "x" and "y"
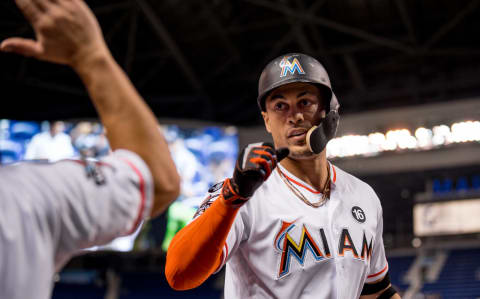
{"x": 295, "y": 67}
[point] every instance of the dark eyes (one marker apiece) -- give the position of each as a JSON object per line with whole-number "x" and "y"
{"x": 280, "y": 106}
{"x": 305, "y": 102}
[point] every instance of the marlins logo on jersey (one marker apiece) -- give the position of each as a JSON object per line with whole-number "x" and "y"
{"x": 290, "y": 67}
{"x": 285, "y": 242}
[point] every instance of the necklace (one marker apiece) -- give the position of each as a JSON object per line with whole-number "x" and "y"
{"x": 325, "y": 191}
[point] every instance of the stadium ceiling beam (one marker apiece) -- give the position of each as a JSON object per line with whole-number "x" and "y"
{"x": 152, "y": 72}
{"x": 445, "y": 29}
{"x": 121, "y": 21}
{"x": 385, "y": 91}
{"x": 407, "y": 21}
{"x": 354, "y": 71}
{"x": 111, "y": 7}
{"x": 22, "y": 69}
{"x": 57, "y": 87}
{"x": 300, "y": 37}
{"x": 220, "y": 30}
{"x": 235, "y": 29}
{"x": 298, "y": 27}
{"x": 177, "y": 54}
{"x": 132, "y": 41}
{"x": 358, "y": 33}
{"x": 341, "y": 50}
{"x": 453, "y": 52}
{"x": 317, "y": 36}
{"x": 277, "y": 47}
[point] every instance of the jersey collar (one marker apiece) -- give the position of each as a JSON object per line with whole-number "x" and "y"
{"x": 300, "y": 183}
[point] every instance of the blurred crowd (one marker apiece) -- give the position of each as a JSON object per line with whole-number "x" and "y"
{"x": 51, "y": 141}
{"x": 203, "y": 156}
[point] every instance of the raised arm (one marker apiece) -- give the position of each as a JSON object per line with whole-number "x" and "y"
{"x": 204, "y": 238}
{"x": 68, "y": 33}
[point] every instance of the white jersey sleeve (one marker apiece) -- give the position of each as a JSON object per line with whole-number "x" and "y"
{"x": 97, "y": 212}
{"x": 240, "y": 227}
{"x": 378, "y": 263}
{"x": 50, "y": 211}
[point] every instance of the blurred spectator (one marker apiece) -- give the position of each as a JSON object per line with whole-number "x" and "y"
{"x": 188, "y": 166}
{"x": 10, "y": 151}
{"x": 90, "y": 140}
{"x": 52, "y": 145}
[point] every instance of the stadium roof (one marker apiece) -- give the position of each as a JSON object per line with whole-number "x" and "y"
{"x": 201, "y": 59}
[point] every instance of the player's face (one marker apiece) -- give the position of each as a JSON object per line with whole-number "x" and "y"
{"x": 291, "y": 110}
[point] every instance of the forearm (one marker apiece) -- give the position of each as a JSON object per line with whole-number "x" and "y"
{"x": 195, "y": 252}
{"x": 129, "y": 123}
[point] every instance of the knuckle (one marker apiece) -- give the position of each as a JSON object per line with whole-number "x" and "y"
{"x": 57, "y": 15}
{"x": 44, "y": 24}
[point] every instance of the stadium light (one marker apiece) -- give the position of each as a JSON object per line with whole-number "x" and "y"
{"x": 402, "y": 139}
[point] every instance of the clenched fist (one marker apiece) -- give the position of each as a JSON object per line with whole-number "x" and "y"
{"x": 254, "y": 165}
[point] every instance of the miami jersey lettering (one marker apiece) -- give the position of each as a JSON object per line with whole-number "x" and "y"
{"x": 294, "y": 250}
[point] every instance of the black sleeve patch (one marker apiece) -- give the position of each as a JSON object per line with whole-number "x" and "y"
{"x": 215, "y": 187}
{"x": 213, "y": 193}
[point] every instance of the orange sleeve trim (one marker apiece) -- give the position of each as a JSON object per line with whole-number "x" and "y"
{"x": 196, "y": 251}
{"x": 378, "y": 273}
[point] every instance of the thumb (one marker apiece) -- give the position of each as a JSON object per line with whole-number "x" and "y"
{"x": 22, "y": 46}
{"x": 282, "y": 153}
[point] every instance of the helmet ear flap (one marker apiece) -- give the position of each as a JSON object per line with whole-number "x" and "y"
{"x": 319, "y": 136}
{"x": 325, "y": 97}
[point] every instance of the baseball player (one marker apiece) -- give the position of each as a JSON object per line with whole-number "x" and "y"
{"x": 288, "y": 224}
{"x": 50, "y": 211}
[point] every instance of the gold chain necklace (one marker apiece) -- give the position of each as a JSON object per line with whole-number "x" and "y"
{"x": 325, "y": 191}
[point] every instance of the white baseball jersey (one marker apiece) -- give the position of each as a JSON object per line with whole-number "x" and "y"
{"x": 48, "y": 212}
{"x": 280, "y": 247}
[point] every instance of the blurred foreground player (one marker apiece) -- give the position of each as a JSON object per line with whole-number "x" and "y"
{"x": 50, "y": 211}
{"x": 288, "y": 224}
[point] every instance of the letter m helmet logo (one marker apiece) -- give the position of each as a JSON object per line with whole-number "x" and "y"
{"x": 290, "y": 67}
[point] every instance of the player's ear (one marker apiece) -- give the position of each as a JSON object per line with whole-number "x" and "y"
{"x": 266, "y": 121}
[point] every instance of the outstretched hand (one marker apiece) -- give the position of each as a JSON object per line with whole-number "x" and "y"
{"x": 254, "y": 165}
{"x": 66, "y": 31}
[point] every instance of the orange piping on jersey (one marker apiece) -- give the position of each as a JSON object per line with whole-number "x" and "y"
{"x": 226, "y": 250}
{"x": 334, "y": 174}
{"x": 300, "y": 184}
{"x": 378, "y": 273}
{"x": 142, "y": 195}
